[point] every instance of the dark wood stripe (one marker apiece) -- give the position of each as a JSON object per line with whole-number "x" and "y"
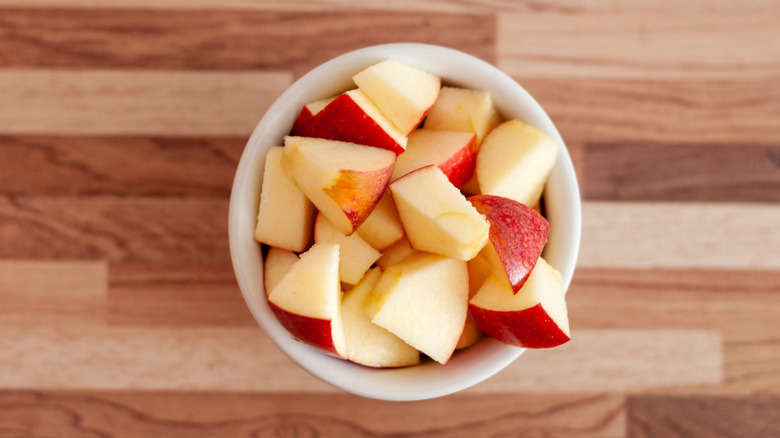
{"x": 127, "y": 166}
{"x": 165, "y": 230}
{"x": 638, "y": 171}
{"x": 702, "y": 416}
{"x": 210, "y": 39}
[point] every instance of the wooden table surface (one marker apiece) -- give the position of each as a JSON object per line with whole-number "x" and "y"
{"x": 121, "y": 125}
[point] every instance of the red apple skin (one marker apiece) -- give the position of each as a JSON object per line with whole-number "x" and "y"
{"x": 358, "y": 204}
{"x": 312, "y": 331}
{"x": 517, "y": 232}
{"x": 460, "y": 167}
{"x": 528, "y": 328}
{"x": 344, "y": 120}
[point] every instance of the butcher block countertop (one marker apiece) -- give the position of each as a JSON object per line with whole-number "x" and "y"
{"x": 121, "y": 126}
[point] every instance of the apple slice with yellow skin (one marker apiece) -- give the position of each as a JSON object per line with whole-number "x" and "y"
{"x": 455, "y": 153}
{"x": 307, "y": 301}
{"x": 514, "y": 161}
{"x": 278, "y": 262}
{"x": 382, "y": 228}
{"x": 395, "y": 253}
{"x": 367, "y": 343}
{"x": 350, "y": 117}
{"x": 436, "y": 216}
{"x": 285, "y": 215}
{"x": 518, "y": 235}
{"x": 344, "y": 180}
{"x": 423, "y": 300}
{"x": 535, "y": 317}
{"x": 402, "y": 92}
{"x": 356, "y": 254}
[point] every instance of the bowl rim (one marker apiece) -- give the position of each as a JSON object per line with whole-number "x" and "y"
{"x": 428, "y": 380}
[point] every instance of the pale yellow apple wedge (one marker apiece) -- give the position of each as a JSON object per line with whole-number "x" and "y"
{"x": 356, "y": 254}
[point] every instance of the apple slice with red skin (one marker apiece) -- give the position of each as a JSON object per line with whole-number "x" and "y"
{"x": 307, "y": 301}
{"x": 345, "y": 181}
{"x": 455, "y": 153}
{"x": 517, "y": 237}
{"x": 350, "y": 117}
{"x": 535, "y": 317}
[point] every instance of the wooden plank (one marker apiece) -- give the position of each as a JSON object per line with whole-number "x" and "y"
{"x": 175, "y": 295}
{"x": 639, "y": 44}
{"x": 126, "y": 166}
{"x": 673, "y": 172}
{"x": 44, "y": 292}
{"x": 95, "y": 102}
{"x": 675, "y": 111}
{"x": 165, "y": 230}
{"x": 711, "y": 417}
{"x": 128, "y": 414}
{"x": 226, "y": 40}
{"x": 680, "y": 235}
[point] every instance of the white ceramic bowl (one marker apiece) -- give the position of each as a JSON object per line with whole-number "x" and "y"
{"x": 465, "y": 368}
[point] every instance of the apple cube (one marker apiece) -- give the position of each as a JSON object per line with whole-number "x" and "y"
{"x": 423, "y": 300}
{"x": 463, "y": 110}
{"x": 307, "y": 301}
{"x": 356, "y": 255}
{"x": 382, "y": 227}
{"x": 344, "y": 180}
{"x": 535, "y": 317}
{"x": 514, "y": 161}
{"x": 518, "y": 235}
{"x": 455, "y": 153}
{"x": 367, "y": 343}
{"x": 278, "y": 263}
{"x": 350, "y": 117}
{"x": 436, "y": 216}
{"x": 470, "y": 335}
{"x": 285, "y": 216}
{"x": 402, "y": 92}
{"x": 395, "y": 253}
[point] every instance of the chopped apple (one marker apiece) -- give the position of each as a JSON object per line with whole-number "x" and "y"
{"x": 285, "y": 216}
{"x": 436, "y": 216}
{"x": 344, "y": 180}
{"x": 307, "y": 301}
{"x": 382, "y": 227}
{"x": 463, "y": 110}
{"x": 395, "y": 253}
{"x": 367, "y": 343}
{"x": 402, "y": 92}
{"x": 423, "y": 300}
{"x": 518, "y": 235}
{"x": 535, "y": 317}
{"x": 278, "y": 263}
{"x": 470, "y": 335}
{"x": 356, "y": 254}
{"x": 453, "y": 152}
{"x": 514, "y": 161}
{"x": 350, "y": 117}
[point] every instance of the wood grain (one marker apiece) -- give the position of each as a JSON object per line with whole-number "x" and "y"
{"x": 103, "y": 102}
{"x": 670, "y": 172}
{"x": 119, "y": 165}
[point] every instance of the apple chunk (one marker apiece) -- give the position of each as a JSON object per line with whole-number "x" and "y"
{"x": 350, "y": 117}
{"x": 367, "y": 343}
{"x": 344, "y": 180}
{"x": 356, "y": 254}
{"x": 382, "y": 228}
{"x": 514, "y": 161}
{"x": 423, "y": 300}
{"x": 453, "y": 152}
{"x": 463, "y": 110}
{"x": 307, "y": 301}
{"x": 535, "y": 317}
{"x": 517, "y": 237}
{"x": 436, "y": 216}
{"x": 285, "y": 216}
{"x": 278, "y": 263}
{"x": 403, "y": 92}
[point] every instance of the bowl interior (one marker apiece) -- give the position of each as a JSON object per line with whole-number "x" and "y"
{"x": 428, "y": 380}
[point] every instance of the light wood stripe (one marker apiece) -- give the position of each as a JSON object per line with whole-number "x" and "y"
{"x": 245, "y": 359}
{"x": 176, "y": 103}
{"x": 677, "y": 235}
{"x": 42, "y": 292}
{"x": 639, "y": 45}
